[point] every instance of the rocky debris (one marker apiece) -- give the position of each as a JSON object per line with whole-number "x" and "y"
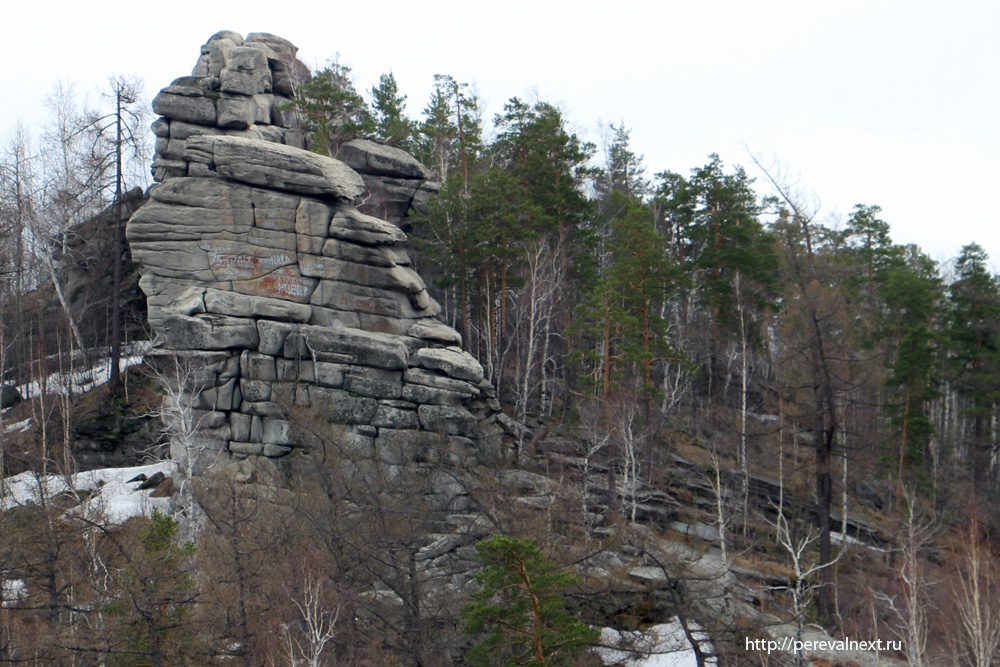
{"x": 283, "y": 302}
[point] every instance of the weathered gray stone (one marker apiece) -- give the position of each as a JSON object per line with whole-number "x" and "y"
{"x": 258, "y": 266}
{"x": 238, "y": 260}
{"x": 227, "y": 397}
{"x": 218, "y": 53}
{"x": 212, "y": 419}
{"x": 368, "y": 157}
{"x": 380, "y": 256}
{"x": 404, "y": 446}
{"x": 339, "y": 319}
{"x": 272, "y": 336}
{"x": 312, "y": 218}
{"x": 246, "y": 71}
{"x": 208, "y": 206}
{"x": 196, "y": 170}
{"x": 350, "y": 225}
{"x": 276, "y": 166}
{"x": 354, "y": 346}
{"x": 384, "y": 324}
{"x": 275, "y": 211}
{"x": 397, "y": 278}
{"x": 269, "y": 238}
{"x": 263, "y": 409}
{"x": 161, "y": 127}
{"x": 182, "y": 130}
{"x": 189, "y": 302}
{"x": 422, "y": 300}
{"x": 163, "y": 169}
{"x": 432, "y": 330}
{"x": 256, "y": 428}
{"x": 354, "y": 445}
{"x": 241, "y": 305}
{"x": 276, "y": 431}
{"x": 452, "y": 362}
{"x": 170, "y": 149}
{"x": 269, "y": 132}
{"x": 391, "y": 417}
{"x": 353, "y": 297}
{"x": 208, "y": 332}
{"x": 288, "y": 71}
{"x": 190, "y": 104}
{"x": 263, "y": 104}
{"x": 374, "y": 382}
{"x": 439, "y": 381}
{"x": 240, "y": 425}
{"x": 449, "y": 419}
{"x": 246, "y": 448}
{"x": 294, "y": 137}
{"x": 234, "y": 37}
{"x": 389, "y": 198}
{"x": 256, "y": 366}
{"x": 421, "y": 394}
{"x": 340, "y": 407}
{"x": 330, "y": 374}
{"x": 278, "y": 45}
{"x": 295, "y": 370}
{"x": 284, "y": 283}
{"x": 255, "y": 391}
{"x": 235, "y": 112}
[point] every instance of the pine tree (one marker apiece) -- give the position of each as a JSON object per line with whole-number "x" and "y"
{"x": 714, "y": 220}
{"x": 332, "y": 111}
{"x": 388, "y": 113}
{"x": 975, "y": 346}
{"x": 913, "y": 296}
{"x": 519, "y": 611}
{"x": 154, "y": 591}
{"x": 435, "y": 143}
{"x": 867, "y": 238}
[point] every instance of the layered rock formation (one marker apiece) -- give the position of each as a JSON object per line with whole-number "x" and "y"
{"x": 286, "y": 301}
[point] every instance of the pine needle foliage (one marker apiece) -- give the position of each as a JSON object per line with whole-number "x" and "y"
{"x": 519, "y": 613}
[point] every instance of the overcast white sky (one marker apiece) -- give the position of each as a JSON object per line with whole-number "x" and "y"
{"x": 882, "y": 102}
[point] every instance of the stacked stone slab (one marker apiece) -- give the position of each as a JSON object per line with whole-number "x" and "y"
{"x": 395, "y": 182}
{"x": 286, "y": 304}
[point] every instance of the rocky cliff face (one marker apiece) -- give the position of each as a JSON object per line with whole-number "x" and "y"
{"x": 280, "y": 294}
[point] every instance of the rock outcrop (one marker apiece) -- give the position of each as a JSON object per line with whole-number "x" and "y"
{"x": 284, "y": 300}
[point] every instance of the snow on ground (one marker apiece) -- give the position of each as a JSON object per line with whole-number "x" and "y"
{"x": 113, "y": 501}
{"x": 83, "y": 380}
{"x": 12, "y": 591}
{"x": 850, "y": 539}
{"x": 662, "y": 645}
{"x": 17, "y": 427}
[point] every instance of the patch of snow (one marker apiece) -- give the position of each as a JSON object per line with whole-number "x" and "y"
{"x": 113, "y": 499}
{"x": 17, "y": 427}
{"x": 848, "y": 539}
{"x": 82, "y": 381}
{"x": 12, "y": 591}
{"x": 662, "y": 645}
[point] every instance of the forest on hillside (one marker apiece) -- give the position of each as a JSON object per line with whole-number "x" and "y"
{"x": 633, "y": 311}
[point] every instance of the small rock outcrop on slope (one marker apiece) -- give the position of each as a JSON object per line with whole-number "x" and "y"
{"x": 279, "y": 295}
